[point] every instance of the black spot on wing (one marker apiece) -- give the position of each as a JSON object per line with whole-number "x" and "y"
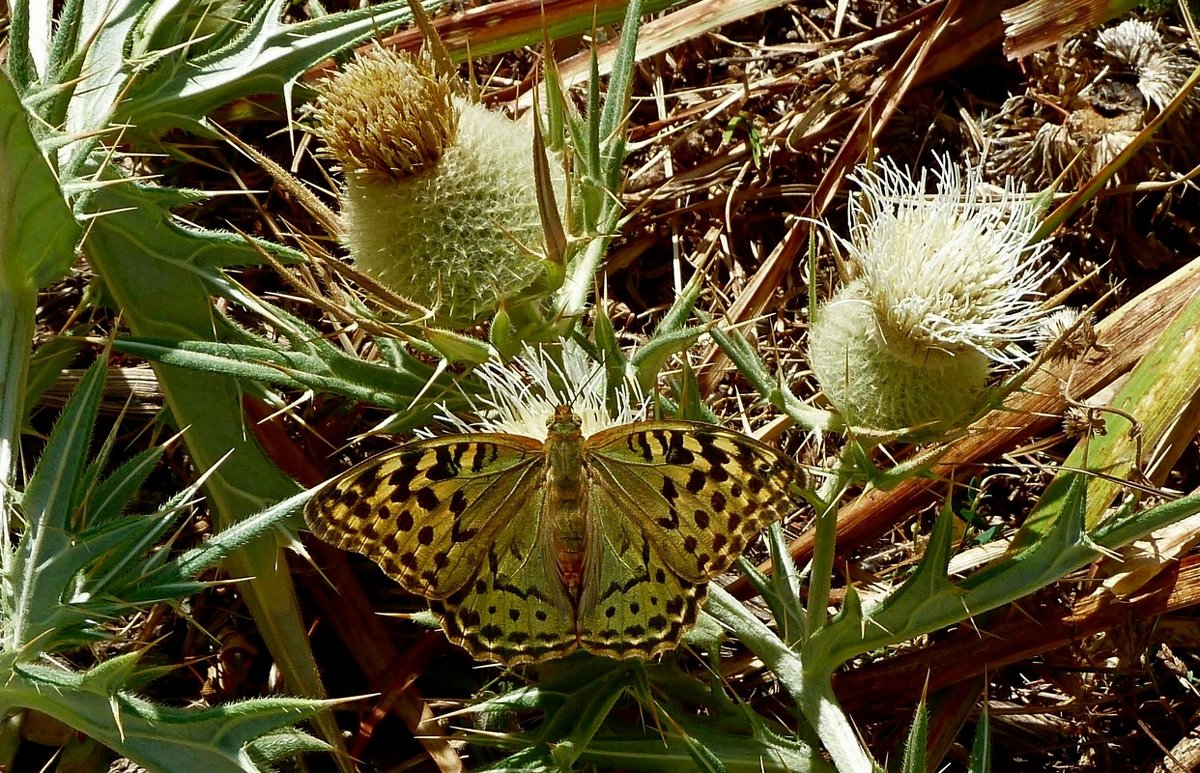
{"x": 639, "y": 443}
{"x": 483, "y": 455}
{"x": 711, "y": 452}
{"x": 676, "y": 452}
{"x": 445, "y": 462}
{"x": 427, "y": 499}
{"x": 458, "y": 502}
{"x": 671, "y": 495}
{"x": 347, "y": 497}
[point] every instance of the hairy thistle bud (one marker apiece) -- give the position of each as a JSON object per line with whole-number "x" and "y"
{"x": 440, "y": 204}
{"x": 946, "y": 285}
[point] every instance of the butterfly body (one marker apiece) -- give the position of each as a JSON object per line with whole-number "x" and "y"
{"x": 566, "y": 501}
{"x": 528, "y": 550}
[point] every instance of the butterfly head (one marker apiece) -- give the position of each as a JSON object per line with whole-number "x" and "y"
{"x": 564, "y": 422}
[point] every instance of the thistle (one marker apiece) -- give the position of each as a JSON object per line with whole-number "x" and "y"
{"x": 946, "y": 285}
{"x": 439, "y": 204}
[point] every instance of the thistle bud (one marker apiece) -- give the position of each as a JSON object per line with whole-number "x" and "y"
{"x": 439, "y": 204}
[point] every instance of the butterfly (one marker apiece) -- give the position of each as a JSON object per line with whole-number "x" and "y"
{"x": 528, "y": 550}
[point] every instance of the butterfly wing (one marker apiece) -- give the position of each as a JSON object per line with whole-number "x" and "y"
{"x": 635, "y": 606}
{"x": 515, "y": 609}
{"x": 428, "y": 511}
{"x": 699, "y": 493}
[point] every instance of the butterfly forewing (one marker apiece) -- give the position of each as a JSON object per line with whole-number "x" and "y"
{"x": 428, "y": 511}
{"x": 699, "y": 492}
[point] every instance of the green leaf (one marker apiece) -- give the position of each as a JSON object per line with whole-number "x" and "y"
{"x": 265, "y": 56}
{"x": 19, "y": 61}
{"x": 49, "y": 362}
{"x": 109, "y": 499}
{"x": 583, "y": 714}
{"x": 651, "y": 357}
{"x": 337, "y": 374}
{"x": 38, "y": 231}
{"x": 145, "y": 266}
{"x": 107, "y": 677}
{"x": 216, "y": 740}
{"x": 36, "y": 585}
{"x": 917, "y": 741}
{"x": 233, "y": 538}
{"x": 616, "y": 103}
{"x": 1153, "y": 395}
{"x": 981, "y": 747}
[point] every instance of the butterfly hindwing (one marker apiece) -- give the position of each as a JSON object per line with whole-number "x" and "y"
{"x": 428, "y": 511}
{"x": 699, "y": 492}
{"x": 515, "y": 609}
{"x": 639, "y": 607}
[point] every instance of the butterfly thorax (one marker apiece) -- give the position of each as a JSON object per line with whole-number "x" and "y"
{"x": 565, "y": 516}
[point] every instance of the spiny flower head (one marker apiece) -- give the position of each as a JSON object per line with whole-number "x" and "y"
{"x": 386, "y": 114}
{"x": 947, "y": 283}
{"x": 950, "y": 271}
{"x": 440, "y": 203}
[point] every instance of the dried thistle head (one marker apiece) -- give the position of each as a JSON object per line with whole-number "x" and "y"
{"x": 1068, "y": 334}
{"x": 1082, "y": 421}
{"x": 1086, "y": 103}
{"x": 1158, "y": 68}
{"x": 386, "y": 114}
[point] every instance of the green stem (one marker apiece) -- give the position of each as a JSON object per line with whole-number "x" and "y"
{"x": 824, "y": 544}
{"x": 813, "y": 692}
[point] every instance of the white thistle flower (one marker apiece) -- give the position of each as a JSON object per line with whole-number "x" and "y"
{"x": 948, "y": 283}
{"x": 523, "y": 393}
{"x": 950, "y": 271}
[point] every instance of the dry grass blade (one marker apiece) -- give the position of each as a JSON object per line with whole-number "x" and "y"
{"x": 503, "y": 26}
{"x": 1040, "y": 24}
{"x": 661, "y": 35}
{"x": 970, "y": 652}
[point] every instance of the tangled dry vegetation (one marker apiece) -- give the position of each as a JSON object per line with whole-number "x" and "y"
{"x": 747, "y": 118}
